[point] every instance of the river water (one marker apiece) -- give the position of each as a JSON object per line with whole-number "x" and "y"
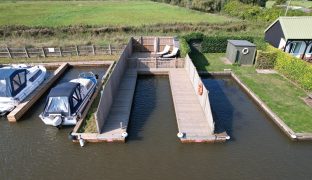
{"x": 258, "y": 149}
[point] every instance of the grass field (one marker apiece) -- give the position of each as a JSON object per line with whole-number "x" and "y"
{"x": 306, "y": 4}
{"x": 115, "y": 13}
{"x": 279, "y": 94}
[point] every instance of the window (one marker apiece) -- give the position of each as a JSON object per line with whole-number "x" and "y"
{"x": 295, "y": 48}
{"x": 58, "y": 105}
{"x": 22, "y": 77}
{"x": 16, "y": 82}
{"x": 35, "y": 76}
{"x": 3, "y": 88}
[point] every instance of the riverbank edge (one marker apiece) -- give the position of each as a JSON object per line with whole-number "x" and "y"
{"x": 273, "y": 116}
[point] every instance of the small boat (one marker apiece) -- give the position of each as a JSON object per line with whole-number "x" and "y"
{"x": 67, "y": 101}
{"x": 16, "y": 83}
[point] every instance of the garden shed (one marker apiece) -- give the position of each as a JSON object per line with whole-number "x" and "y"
{"x": 241, "y": 52}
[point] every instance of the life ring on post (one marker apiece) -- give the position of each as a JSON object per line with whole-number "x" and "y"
{"x": 245, "y": 51}
{"x": 200, "y": 89}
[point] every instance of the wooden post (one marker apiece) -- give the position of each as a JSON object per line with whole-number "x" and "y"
{"x": 156, "y": 63}
{"x": 61, "y": 54}
{"x": 110, "y": 49}
{"x": 93, "y": 50}
{"x": 43, "y": 53}
{"x": 10, "y": 55}
{"x": 26, "y": 52}
{"x": 77, "y": 52}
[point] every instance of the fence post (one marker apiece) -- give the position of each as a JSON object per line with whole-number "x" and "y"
{"x": 77, "y": 52}
{"x": 8, "y": 50}
{"x": 156, "y": 63}
{"x": 110, "y": 49}
{"x": 61, "y": 54}
{"x": 26, "y": 52}
{"x": 43, "y": 53}
{"x": 93, "y": 50}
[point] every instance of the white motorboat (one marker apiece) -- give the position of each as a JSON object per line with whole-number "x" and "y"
{"x": 16, "y": 83}
{"x": 67, "y": 101}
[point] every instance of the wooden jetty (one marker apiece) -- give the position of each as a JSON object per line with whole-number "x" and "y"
{"x": 117, "y": 121}
{"x": 22, "y": 108}
{"x": 191, "y": 119}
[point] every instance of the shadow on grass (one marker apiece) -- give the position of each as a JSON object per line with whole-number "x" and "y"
{"x": 199, "y": 59}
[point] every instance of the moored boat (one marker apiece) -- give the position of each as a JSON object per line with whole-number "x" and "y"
{"x": 67, "y": 101}
{"x": 17, "y": 82}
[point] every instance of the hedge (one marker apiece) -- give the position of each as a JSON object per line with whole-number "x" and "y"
{"x": 265, "y": 60}
{"x": 293, "y": 68}
{"x": 218, "y": 44}
{"x": 184, "y": 47}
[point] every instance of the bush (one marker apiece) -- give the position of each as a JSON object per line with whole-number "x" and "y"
{"x": 265, "y": 60}
{"x": 184, "y": 47}
{"x": 218, "y": 44}
{"x": 194, "y": 36}
{"x": 293, "y": 68}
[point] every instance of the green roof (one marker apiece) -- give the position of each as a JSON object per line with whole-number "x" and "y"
{"x": 295, "y": 27}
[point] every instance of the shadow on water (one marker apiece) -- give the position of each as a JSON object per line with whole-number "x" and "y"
{"x": 144, "y": 102}
{"x": 222, "y": 109}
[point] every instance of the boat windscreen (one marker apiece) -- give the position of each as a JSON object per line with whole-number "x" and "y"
{"x": 4, "y": 92}
{"x": 57, "y": 105}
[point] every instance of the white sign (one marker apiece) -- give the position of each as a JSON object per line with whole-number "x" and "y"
{"x": 51, "y": 50}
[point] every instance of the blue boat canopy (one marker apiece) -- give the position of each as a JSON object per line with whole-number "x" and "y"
{"x": 63, "y": 99}
{"x": 12, "y": 81}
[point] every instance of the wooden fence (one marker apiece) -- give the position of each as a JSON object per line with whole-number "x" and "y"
{"x": 152, "y": 62}
{"x": 80, "y": 50}
{"x": 153, "y": 44}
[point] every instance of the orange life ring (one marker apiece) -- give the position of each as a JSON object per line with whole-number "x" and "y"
{"x": 200, "y": 89}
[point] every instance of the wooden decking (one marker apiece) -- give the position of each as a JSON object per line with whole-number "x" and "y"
{"x": 190, "y": 115}
{"x": 120, "y": 111}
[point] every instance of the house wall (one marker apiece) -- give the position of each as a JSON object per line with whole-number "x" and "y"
{"x": 274, "y": 34}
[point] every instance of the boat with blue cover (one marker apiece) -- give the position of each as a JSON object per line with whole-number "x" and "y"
{"x": 67, "y": 101}
{"x": 17, "y": 82}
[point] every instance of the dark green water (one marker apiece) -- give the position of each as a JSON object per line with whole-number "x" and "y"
{"x": 258, "y": 150}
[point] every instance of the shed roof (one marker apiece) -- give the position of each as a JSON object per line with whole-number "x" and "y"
{"x": 241, "y": 43}
{"x": 63, "y": 90}
{"x": 295, "y": 27}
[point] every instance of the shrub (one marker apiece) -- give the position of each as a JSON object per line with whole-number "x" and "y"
{"x": 265, "y": 60}
{"x": 184, "y": 47}
{"x": 194, "y": 36}
{"x": 294, "y": 68}
{"x": 218, "y": 44}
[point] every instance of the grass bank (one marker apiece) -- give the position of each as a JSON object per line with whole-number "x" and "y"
{"x": 283, "y": 97}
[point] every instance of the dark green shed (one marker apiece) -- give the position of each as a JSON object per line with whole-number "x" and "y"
{"x": 241, "y": 52}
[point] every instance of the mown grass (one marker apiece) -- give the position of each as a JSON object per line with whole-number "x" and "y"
{"x": 130, "y": 13}
{"x": 302, "y": 3}
{"x": 283, "y": 97}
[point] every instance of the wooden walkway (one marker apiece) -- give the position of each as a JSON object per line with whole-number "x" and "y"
{"x": 120, "y": 111}
{"x": 190, "y": 115}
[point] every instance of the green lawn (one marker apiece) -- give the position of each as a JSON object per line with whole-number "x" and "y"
{"x": 278, "y": 93}
{"x": 115, "y": 13}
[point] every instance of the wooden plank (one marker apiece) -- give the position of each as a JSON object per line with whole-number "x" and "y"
{"x": 22, "y": 108}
